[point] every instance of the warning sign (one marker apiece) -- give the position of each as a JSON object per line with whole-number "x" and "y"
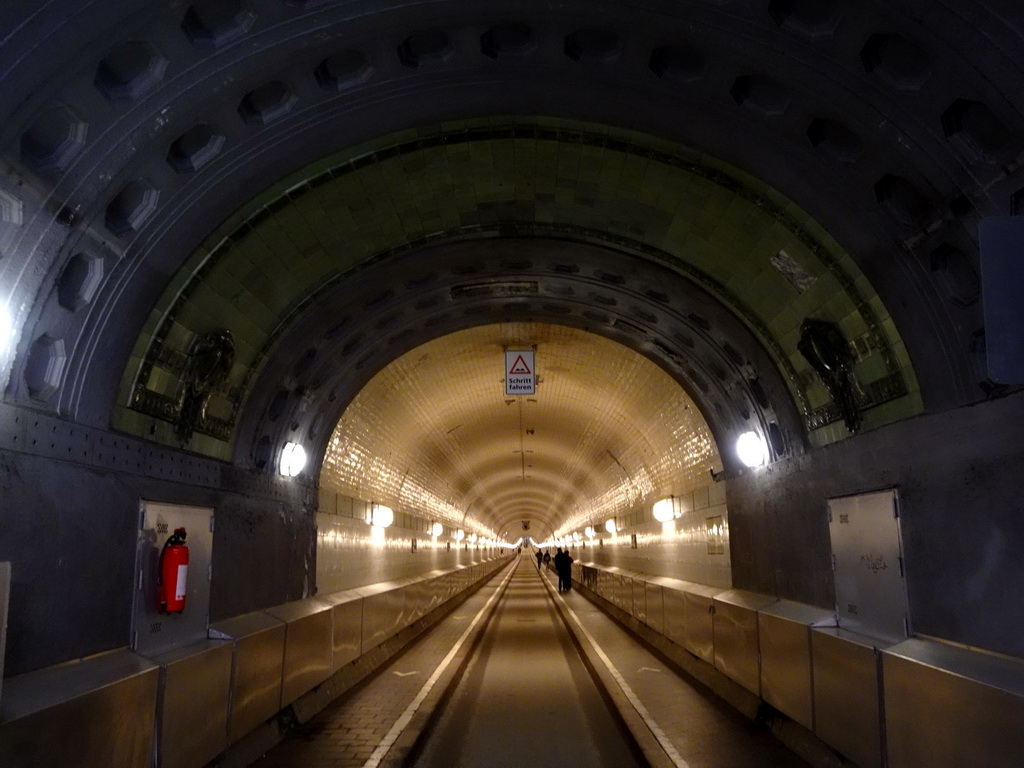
{"x": 520, "y": 374}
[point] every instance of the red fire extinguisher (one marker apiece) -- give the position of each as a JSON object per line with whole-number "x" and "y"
{"x": 173, "y": 573}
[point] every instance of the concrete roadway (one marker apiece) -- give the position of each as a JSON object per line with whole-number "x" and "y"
{"x": 499, "y": 682}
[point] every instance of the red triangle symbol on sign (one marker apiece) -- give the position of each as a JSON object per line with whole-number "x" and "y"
{"x": 519, "y": 366}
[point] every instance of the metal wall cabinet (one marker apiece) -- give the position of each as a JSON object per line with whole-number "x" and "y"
{"x": 736, "y": 638}
{"x": 194, "y": 694}
{"x": 256, "y": 669}
{"x": 847, "y": 700}
{"x": 950, "y": 706}
{"x": 698, "y": 606}
{"x": 79, "y": 701}
{"x": 784, "y": 629}
{"x": 308, "y": 646}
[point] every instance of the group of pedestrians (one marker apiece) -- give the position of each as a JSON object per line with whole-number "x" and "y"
{"x": 563, "y": 567}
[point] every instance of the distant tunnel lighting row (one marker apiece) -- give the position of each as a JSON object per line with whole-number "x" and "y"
{"x": 750, "y": 448}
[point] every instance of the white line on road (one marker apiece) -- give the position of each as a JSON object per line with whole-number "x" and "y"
{"x": 400, "y": 724}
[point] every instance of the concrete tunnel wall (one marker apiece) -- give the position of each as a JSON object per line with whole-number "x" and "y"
{"x": 960, "y": 502}
{"x": 70, "y": 528}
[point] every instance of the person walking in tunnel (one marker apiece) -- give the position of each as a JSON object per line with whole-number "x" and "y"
{"x": 540, "y": 558}
{"x": 563, "y": 567}
{"x": 565, "y": 575}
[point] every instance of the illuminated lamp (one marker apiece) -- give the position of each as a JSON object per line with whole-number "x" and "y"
{"x": 382, "y": 516}
{"x": 664, "y": 510}
{"x": 293, "y": 459}
{"x": 751, "y": 449}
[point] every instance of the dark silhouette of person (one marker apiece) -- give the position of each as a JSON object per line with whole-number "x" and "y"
{"x": 540, "y": 557}
{"x": 563, "y": 567}
{"x": 566, "y": 575}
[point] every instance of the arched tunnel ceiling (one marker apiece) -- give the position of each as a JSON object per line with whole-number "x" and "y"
{"x": 757, "y": 255}
{"x": 234, "y": 163}
{"x": 435, "y": 433}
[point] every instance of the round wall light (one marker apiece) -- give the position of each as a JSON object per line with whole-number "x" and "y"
{"x": 589, "y": 532}
{"x": 751, "y": 449}
{"x": 664, "y": 510}
{"x": 436, "y": 529}
{"x": 382, "y": 516}
{"x": 610, "y": 526}
{"x": 293, "y": 459}
{"x": 460, "y": 535}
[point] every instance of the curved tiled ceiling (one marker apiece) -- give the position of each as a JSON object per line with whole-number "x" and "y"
{"x": 310, "y": 174}
{"x": 606, "y": 431}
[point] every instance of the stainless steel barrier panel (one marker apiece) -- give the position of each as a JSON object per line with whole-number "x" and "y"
{"x": 400, "y": 608}
{"x": 847, "y": 701}
{"x": 61, "y": 716}
{"x": 377, "y": 622}
{"x": 256, "y": 671}
{"x": 194, "y": 695}
{"x": 347, "y": 620}
{"x": 636, "y": 596}
{"x": 736, "y": 636}
{"x": 952, "y": 707}
{"x": 700, "y": 621}
{"x": 785, "y": 638}
{"x": 674, "y": 600}
{"x": 622, "y": 592}
{"x": 308, "y": 646}
{"x": 655, "y": 606}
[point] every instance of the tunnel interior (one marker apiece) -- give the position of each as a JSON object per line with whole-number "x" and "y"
{"x": 228, "y": 227}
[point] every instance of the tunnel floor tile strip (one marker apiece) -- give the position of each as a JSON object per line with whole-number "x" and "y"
{"x": 348, "y": 731}
{"x": 649, "y": 721}
{"x": 704, "y": 731}
{"x": 406, "y": 717}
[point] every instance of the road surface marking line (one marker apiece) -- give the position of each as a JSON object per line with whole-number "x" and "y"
{"x": 659, "y": 734}
{"x": 406, "y": 717}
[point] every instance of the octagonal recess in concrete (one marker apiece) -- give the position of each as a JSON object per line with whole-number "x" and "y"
{"x": 268, "y": 103}
{"x": 44, "y": 367}
{"x": 508, "y": 41}
{"x": 593, "y": 46}
{"x": 195, "y": 148}
{"x": 431, "y": 47}
{"x": 897, "y": 61}
{"x": 79, "y": 281}
{"x": 52, "y": 141}
{"x": 132, "y": 206}
{"x": 130, "y": 70}
{"x": 678, "y": 63}
{"x": 344, "y": 70}
{"x": 214, "y": 23}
